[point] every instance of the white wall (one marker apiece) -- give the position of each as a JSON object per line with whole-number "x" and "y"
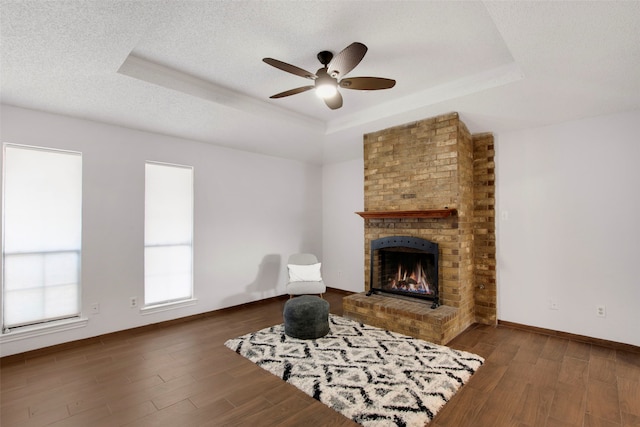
{"x": 251, "y": 213}
{"x": 572, "y": 195}
{"x": 343, "y": 230}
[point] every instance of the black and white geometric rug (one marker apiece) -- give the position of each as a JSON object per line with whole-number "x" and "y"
{"x": 372, "y": 376}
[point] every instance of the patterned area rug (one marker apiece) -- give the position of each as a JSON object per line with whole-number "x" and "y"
{"x": 372, "y": 376}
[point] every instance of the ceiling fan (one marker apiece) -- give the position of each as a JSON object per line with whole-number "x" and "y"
{"x": 331, "y": 75}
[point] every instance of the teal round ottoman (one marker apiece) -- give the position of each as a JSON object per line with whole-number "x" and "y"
{"x": 306, "y": 317}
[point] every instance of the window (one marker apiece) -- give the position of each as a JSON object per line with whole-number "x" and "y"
{"x": 168, "y": 233}
{"x": 42, "y": 225}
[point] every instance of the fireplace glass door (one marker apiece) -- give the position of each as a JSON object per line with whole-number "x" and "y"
{"x": 405, "y": 266}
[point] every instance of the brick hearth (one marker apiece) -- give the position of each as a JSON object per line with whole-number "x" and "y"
{"x": 414, "y": 318}
{"x": 433, "y": 164}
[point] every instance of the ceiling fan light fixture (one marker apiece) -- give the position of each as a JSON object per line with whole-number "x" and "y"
{"x": 326, "y": 90}
{"x": 326, "y": 86}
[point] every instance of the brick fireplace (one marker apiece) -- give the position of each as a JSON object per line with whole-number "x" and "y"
{"x": 432, "y": 180}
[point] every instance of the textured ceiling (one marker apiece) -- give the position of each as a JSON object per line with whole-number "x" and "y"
{"x": 193, "y": 69}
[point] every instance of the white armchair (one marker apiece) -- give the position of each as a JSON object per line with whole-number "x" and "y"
{"x": 305, "y": 277}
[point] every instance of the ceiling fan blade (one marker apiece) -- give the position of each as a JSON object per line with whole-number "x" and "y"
{"x": 290, "y": 68}
{"x": 334, "y": 102}
{"x": 347, "y": 59}
{"x": 367, "y": 83}
{"x": 292, "y": 91}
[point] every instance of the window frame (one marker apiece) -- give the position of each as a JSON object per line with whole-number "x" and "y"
{"x": 46, "y": 325}
{"x": 179, "y": 302}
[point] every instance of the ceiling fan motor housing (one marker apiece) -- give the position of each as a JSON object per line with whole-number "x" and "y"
{"x": 324, "y": 78}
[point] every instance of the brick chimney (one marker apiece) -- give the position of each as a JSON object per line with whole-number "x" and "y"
{"x": 433, "y": 164}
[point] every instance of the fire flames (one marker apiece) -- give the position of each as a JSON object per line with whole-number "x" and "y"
{"x": 410, "y": 280}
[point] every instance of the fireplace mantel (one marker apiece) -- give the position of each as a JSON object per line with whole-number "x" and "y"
{"x": 427, "y": 213}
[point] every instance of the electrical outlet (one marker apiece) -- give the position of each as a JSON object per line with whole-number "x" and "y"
{"x": 553, "y": 305}
{"x": 601, "y": 311}
{"x": 133, "y": 302}
{"x": 95, "y": 308}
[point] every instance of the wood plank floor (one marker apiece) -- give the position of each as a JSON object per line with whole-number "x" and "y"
{"x": 182, "y": 375}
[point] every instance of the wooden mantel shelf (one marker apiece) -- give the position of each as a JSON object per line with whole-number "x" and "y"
{"x": 427, "y": 213}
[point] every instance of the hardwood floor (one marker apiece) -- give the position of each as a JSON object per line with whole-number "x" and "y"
{"x": 181, "y": 374}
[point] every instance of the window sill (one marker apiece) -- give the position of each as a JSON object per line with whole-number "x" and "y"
{"x": 27, "y": 332}
{"x": 158, "y": 308}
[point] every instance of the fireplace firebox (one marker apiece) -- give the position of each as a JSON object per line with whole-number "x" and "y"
{"x": 405, "y": 266}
